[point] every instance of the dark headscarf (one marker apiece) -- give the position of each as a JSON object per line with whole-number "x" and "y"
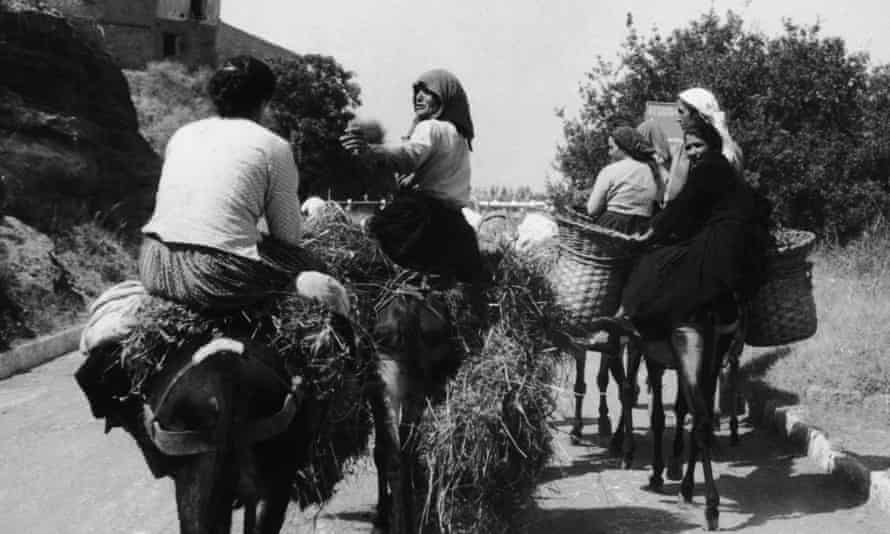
{"x": 633, "y": 143}
{"x": 455, "y": 106}
{"x": 637, "y": 147}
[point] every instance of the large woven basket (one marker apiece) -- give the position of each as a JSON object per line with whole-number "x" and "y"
{"x": 784, "y": 309}
{"x": 591, "y": 269}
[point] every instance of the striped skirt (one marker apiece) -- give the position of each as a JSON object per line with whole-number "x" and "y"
{"x": 207, "y": 279}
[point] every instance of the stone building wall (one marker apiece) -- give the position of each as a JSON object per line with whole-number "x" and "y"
{"x": 136, "y": 32}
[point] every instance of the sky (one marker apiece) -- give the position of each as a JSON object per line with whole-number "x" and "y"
{"x": 518, "y": 60}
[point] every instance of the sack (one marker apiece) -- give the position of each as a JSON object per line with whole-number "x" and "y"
{"x": 112, "y": 315}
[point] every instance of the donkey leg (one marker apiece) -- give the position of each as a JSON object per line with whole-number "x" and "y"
{"x": 675, "y": 465}
{"x": 580, "y": 390}
{"x": 689, "y": 346}
{"x": 383, "y": 444}
{"x": 604, "y": 423}
{"x": 733, "y": 399}
{"x": 656, "y": 373}
{"x": 626, "y": 394}
{"x": 698, "y": 366}
{"x": 411, "y": 414}
{"x": 393, "y": 393}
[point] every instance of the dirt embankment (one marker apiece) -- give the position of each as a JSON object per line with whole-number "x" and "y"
{"x": 71, "y": 155}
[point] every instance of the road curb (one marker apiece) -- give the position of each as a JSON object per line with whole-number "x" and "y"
{"x": 39, "y": 351}
{"x": 790, "y": 422}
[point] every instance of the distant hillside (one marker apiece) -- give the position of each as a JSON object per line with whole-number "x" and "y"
{"x": 232, "y": 41}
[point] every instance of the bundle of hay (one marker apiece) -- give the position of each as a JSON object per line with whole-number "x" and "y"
{"x": 481, "y": 446}
{"x": 481, "y": 450}
{"x": 352, "y": 257}
{"x": 313, "y": 344}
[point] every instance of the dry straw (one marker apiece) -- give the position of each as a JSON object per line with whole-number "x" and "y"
{"x": 481, "y": 444}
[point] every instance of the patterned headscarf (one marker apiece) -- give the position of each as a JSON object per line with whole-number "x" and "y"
{"x": 455, "y": 105}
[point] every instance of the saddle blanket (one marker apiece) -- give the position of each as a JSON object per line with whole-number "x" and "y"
{"x": 112, "y": 315}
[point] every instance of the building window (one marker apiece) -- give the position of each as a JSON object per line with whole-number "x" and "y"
{"x": 171, "y": 45}
{"x": 198, "y": 9}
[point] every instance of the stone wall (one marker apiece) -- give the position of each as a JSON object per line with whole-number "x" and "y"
{"x": 197, "y": 41}
{"x": 130, "y": 46}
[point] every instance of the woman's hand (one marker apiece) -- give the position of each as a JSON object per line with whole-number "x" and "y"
{"x": 354, "y": 142}
{"x": 644, "y": 236}
{"x": 405, "y": 181}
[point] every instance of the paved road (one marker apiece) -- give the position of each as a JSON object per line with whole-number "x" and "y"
{"x": 60, "y": 474}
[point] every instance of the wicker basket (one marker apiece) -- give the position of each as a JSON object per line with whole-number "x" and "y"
{"x": 591, "y": 269}
{"x": 784, "y": 309}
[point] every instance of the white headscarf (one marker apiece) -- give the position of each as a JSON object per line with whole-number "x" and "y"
{"x": 705, "y": 103}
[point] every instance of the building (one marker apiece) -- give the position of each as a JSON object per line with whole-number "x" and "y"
{"x": 136, "y": 32}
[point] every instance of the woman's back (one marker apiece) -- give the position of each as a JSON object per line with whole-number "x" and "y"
{"x": 217, "y": 179}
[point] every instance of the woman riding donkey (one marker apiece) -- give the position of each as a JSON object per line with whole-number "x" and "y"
{"x": 202, "y": 248}
{"x": 422, "y": 230}
{"x": 708, "y": 253}
{"x": 624, "y": 198}
{"x": 221, "y": 177}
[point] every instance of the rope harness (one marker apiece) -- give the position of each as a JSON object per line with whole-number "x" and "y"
{"x": 188, "y": 442}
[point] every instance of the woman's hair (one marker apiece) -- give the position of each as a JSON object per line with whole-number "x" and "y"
{"x": 240, "y": 86}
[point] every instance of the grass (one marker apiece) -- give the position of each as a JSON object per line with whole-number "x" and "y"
{"x": 168, "y": 95}
{"x": 848, "y": 352}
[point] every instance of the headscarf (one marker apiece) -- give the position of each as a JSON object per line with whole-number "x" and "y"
{"x": 455, "y": 105}
{"x": 637, "y": 147}
{"x": 633, "y": 143}
{"x": 705, "y": 103}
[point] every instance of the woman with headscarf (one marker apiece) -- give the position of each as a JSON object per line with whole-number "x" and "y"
{"x": 696, "y": 105}
{"x": 710, "y": 242}
{"x": 423, "y": 227}
{"x": 222, "y": 175}
{"x": 625, "y": 191}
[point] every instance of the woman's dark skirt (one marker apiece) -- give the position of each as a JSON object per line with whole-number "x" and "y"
{"x": 427, "y": 234}
{"x": 624, "y": 223}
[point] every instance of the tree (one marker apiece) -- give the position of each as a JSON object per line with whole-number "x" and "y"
{"x": 314, "y": 101}
{"x": 810, "y": 118}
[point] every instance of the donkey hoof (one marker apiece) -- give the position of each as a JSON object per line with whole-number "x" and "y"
{"x": 604, "y": 427}
{"x": 615, "y": 445}
{"x": 656, "y": 483}
{"x": 674, "y": 471}
{"x": 713, "y": 523}
{"x": 686, "y": 494}
{"x": 576, "y": 431}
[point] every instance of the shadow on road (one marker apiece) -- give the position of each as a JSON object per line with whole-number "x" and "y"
{"x": 607, "y": 521}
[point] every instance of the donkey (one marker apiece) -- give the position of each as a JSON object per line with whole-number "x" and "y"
{"x": 224, "y": 420}
{"x": 417, "y": 352}
{"x": 695, "y": 349}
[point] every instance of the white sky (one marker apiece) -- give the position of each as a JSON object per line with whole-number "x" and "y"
{"x": 518, "y": 60}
